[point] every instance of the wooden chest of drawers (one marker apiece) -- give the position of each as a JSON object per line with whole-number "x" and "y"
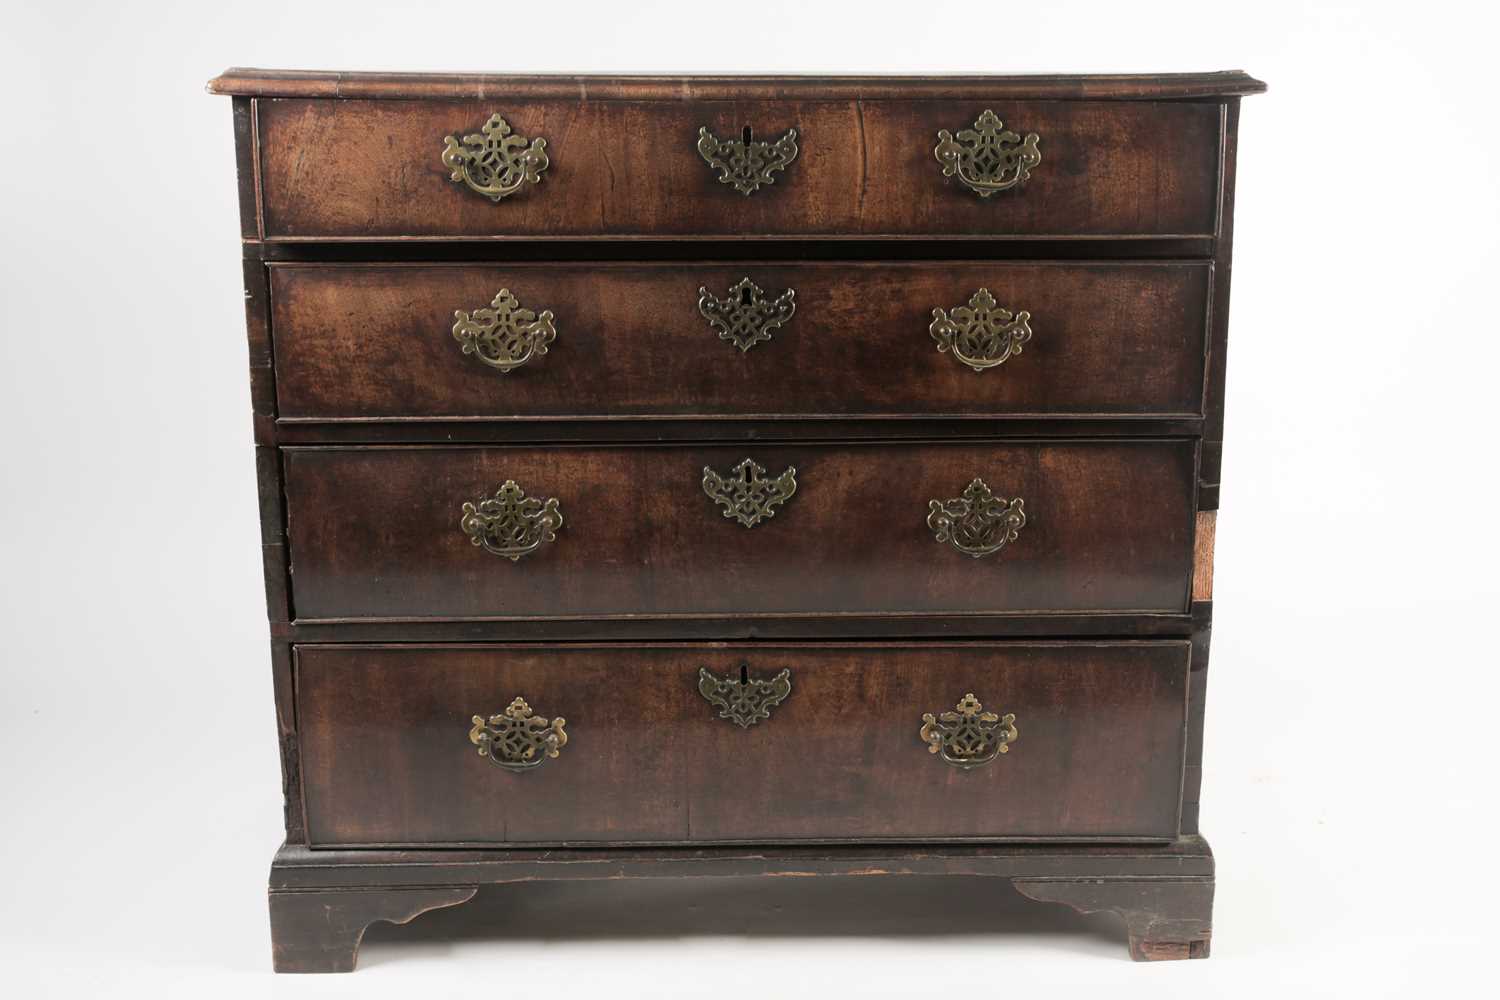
{"x": 737, "y": 476}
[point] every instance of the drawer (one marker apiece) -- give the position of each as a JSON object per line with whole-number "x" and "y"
{"x": 355, "y": 169}
{"x": 817, "y": 742}
{"x": 364, "y": 342}
{"x": 740, "y": 531}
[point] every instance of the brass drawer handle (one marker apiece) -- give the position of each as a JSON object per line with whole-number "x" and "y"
{"x": 493, "y": 162}
{"x": 968, "y": 736}
{"x": 517, "y": 740}
{"x": 747, "y": 163}
{"x": 745, "y": 317}
{"x": 504, "y": 336}
{"x": 988, "y": 157}
{"x": 980, "y": 334}
{"x": 510, "y": 523}
{"x": 744, "y": 700}
{"x": 978, "y": 522}
{"x": 746, "y": 494}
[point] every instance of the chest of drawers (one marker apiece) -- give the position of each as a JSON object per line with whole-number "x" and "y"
{"x": 736, "y": 476}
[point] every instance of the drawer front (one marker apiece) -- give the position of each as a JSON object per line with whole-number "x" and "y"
{"x": 684, "y": 340}
{"x": 351, "y": 169}
{"x": 835, "y": 748}
{"x": 815, "y": 529}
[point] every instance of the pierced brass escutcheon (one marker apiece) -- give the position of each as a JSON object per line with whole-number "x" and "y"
{"x": 744, "y": 700}
{"x": 747, "y": 163}
{"x": 504, "y": 336}
{"x": 968, "y": 736}
{"x": 746, "y": 494}
{"x": 493, "y": 161}
{"x": 745, "y": 317}
{"x": 980, "y": 334}
{"x": 978, "y": 522}
{"x": 516, "y": 739}
{"x": 510, "y": 523}
{"x": 988, "y": 157}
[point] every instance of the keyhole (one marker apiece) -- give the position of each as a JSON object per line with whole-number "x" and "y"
{"x": 745, "y": 135}
{"x": 745, "y": 297}
{"x": 744, "y": 674}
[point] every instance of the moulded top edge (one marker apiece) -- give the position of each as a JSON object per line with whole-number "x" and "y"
{"x": 479, "y": 86}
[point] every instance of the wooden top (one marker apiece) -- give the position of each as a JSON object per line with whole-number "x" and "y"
{"x": 478, "y": 86}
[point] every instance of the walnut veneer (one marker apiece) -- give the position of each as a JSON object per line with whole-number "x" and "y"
{"x": 737, "y": 476}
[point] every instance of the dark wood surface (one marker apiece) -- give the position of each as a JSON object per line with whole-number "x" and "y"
{"x": 375, "y": 532}
{"x": 1123, "y": 239}
{"x": 1165, "y": 919}
{"x": 287, "y": 737}
{"x": 1211, "y": 466}
{"x": 1192, "y": 775}
{"x": 322, "y": 900}
{"x": 659, "y": 87}
{"x": 699, "y": 430}
{"x": 386, "y": 759}
{"x": 876, "y": 249}
{"x": 321, "y": 931}
{"x": 373, "y": 170}
{"x": 297, "y": 867}
{"x": 375, "y": 341}
{"x": 785, "y": 627}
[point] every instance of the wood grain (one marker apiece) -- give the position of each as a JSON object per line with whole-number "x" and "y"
{"x": 375, "y": 341}
{"x": 372, "y": 170}
{"x": 1203, "y": 555}
{"x": 386, "y": 759}
{"x": 375, "y": 532}
{"x": 354, "y": 241}
{"x": 481, "y": 86}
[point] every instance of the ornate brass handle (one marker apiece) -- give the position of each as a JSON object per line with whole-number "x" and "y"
{"x": 968, "y": 736}
{"x": 744, "y": 700}
{"x": 504, "y": 336}
{"x": 746, "y": 494}
{"x": 517, "y": 740}
{"x": 747, "y": 163}
{"x": 494, "y": 162}
{"x": 980, "y": 334}
{"x": 510, "y": 523}
{"x": 745, "y": 317}
{"x": 988, "y": 157}
{"x": 978, "y": 522}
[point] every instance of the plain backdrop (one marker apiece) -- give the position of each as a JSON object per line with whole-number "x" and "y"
{"x": 1349, "y": 791}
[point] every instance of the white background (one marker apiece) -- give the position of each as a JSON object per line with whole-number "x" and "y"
{"x": 1351, "y": 707}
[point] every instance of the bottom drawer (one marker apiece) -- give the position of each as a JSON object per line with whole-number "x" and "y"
{"x": 701, "y": 743}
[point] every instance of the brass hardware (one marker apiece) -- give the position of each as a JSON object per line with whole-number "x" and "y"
{"x": 510, "y": 523}
{"x": 978, "y": 522}
{"x": 980, "y": 334}
{"x": 745, "y": 700}
{"x": 494, "y": 162}
{"x": 517, "y": 740}
{"x": 504, "y": 336}
{"x": 746, "y": 495}
{"x": 968, "y": 736}
{"x": 745, "y": 162}
{"x": 987, "y": 157}
{"x": 744, "y": 317}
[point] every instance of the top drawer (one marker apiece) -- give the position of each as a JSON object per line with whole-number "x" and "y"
{"x": 355, "y": 169}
